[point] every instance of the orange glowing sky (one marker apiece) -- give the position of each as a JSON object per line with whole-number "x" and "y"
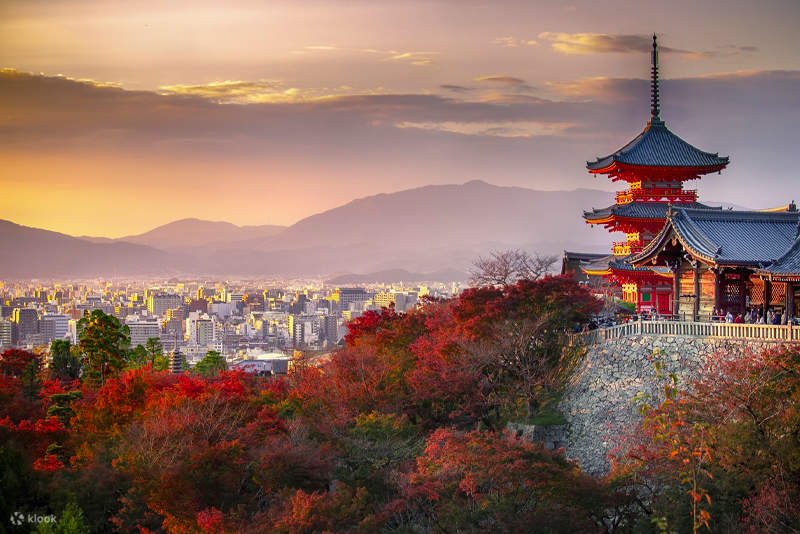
{"x": 116, "y": 117}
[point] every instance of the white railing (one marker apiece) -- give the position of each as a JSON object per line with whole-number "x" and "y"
{"x": 694, "y": 329}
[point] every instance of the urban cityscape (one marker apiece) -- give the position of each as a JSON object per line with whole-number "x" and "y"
{"x": 253, "y": 326}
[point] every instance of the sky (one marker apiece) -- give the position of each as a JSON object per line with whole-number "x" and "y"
{"x": 116, "y": 117}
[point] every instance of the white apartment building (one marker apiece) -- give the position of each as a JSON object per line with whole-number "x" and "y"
{"x": 61, "y": 324}
{"x": 6, "y": 329}
{"x": 141, "y": 331}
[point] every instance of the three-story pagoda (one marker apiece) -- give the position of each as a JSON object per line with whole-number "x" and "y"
{"x": 654, "y": 165}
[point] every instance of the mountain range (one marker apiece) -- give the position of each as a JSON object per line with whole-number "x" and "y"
{"x": 424, "y": 230}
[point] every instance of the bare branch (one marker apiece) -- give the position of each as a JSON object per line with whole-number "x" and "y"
{"x": 504, "y": 268}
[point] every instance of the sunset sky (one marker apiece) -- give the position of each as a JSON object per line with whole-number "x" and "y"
{"x": 116, "y": 117}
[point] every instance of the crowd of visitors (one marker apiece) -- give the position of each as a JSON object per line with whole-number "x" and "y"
{"x": 753, "y": 315}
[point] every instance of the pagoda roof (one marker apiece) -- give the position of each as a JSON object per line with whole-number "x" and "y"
{"x": 657, "y": 146}
{"x": 597, "y": 265}
{"x": 583, "y": 256}
{"x": 606, "y": 264}
{"x": 728, "y": 237}
{"x": 638, "y": 210}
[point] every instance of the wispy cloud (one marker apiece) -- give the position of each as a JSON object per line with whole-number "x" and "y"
{"x": 241, "y": 92}
{"x": 456, "y": 88}
{"x": 603, "y": 43}
{"x": 524, "y": 129}
{"x": 263, "y": 92}
{"x": 58, "y": 128}
{"x": 417, "y": 59}
{"x": 511, "y": 82}
{"x": 728, "y": 50}
{"x": 507, "y": 80}
{"x": 513, "y": 42}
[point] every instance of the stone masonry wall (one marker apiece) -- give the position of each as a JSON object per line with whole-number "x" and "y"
{"x": 598, "y": 402}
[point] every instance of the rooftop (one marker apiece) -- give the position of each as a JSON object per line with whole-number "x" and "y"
{"x": 728, "y": 237}
{"x": 657, "y": 146}
{"x": 638, "y": 210}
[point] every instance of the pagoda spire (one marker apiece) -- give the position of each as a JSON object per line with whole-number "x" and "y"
{"x": 655, "y": 105}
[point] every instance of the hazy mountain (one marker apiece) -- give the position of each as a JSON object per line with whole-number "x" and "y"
{"x": 424, "y": 230}
{"x": 448, "y": 216}
{"x": 191, "y": 233}
{"x": 31, "y": 252}
{"x": 397, "y": 275}
{"x": 432, "y": 228}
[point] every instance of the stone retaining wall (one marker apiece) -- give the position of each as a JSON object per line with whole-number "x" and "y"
{"x": 598, "y": 402}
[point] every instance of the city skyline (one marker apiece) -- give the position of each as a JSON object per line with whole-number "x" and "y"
{"x": 138, "y": 116}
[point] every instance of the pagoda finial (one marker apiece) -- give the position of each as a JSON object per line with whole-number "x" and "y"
{"x": 655, "y": 106}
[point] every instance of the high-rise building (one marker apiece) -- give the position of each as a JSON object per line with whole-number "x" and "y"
{"x": 141, "y": 331}
{"x": 47, "y": 330}
{"x": 329, "y": 328}
{"x": 159, "y": 303}
{"x": 204, "y": 332}
{"x": 6, "y": 333}
{"x": 404, "y": 302}
{"x": 349, "y": 295}
{"x": 27, "y": 321}
{"x": 384, "y": 299}
{"x": 234, "y": 296}
{"x": 303, "y": 329}
{"x": 61, "y": 324}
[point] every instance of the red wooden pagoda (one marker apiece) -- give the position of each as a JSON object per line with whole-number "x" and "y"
{"x": 654, "y": 165}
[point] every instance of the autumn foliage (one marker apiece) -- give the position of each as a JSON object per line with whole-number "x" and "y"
{"x": 400, "y": 430}
{"x": 723, "y": 454}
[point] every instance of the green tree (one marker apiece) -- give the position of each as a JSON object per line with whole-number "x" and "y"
{"x": 61, "y": 405}
{"x": 103, "y": 344}
{"x": 155, "y": 354}
{"x": 64, "y": 362}
{"x": 69, "y": 522}
{"x": 213, "y": 363}
{"x": 137, "y": 357}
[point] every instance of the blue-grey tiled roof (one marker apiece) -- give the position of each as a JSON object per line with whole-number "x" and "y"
{"x": 611, "y": 261}
{"x": 657, "y": 146}
{"x": 727, "y": 237}
{"x": 788, "y": 264}
{"x": 583, "y": 256}
{"x": 640, "y": 210}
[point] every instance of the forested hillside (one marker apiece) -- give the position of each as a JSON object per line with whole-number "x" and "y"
{"x": 402, "y": 430}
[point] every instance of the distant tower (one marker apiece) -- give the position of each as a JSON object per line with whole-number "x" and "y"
{"x": 176, "y": 359}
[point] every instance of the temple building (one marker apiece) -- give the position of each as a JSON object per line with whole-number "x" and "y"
{"x": 734, "y": 261}
{"x": 654, "y": 166}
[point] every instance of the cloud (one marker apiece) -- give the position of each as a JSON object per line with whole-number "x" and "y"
{"x": 510, "y": 129}
{"x": 417, "y": 59}
{"x": 334, "y": 48}
{"x": 602, "y": 43}
{"x": 456, "y": 88}
{"x": 240, "y": 92}
{"x": 508, "y": 80}
{"x": 729, "y": 50}
{"x": 513, "y": 42}
{"x": 512, "y": 82}
{"x": 59, "y": 134}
